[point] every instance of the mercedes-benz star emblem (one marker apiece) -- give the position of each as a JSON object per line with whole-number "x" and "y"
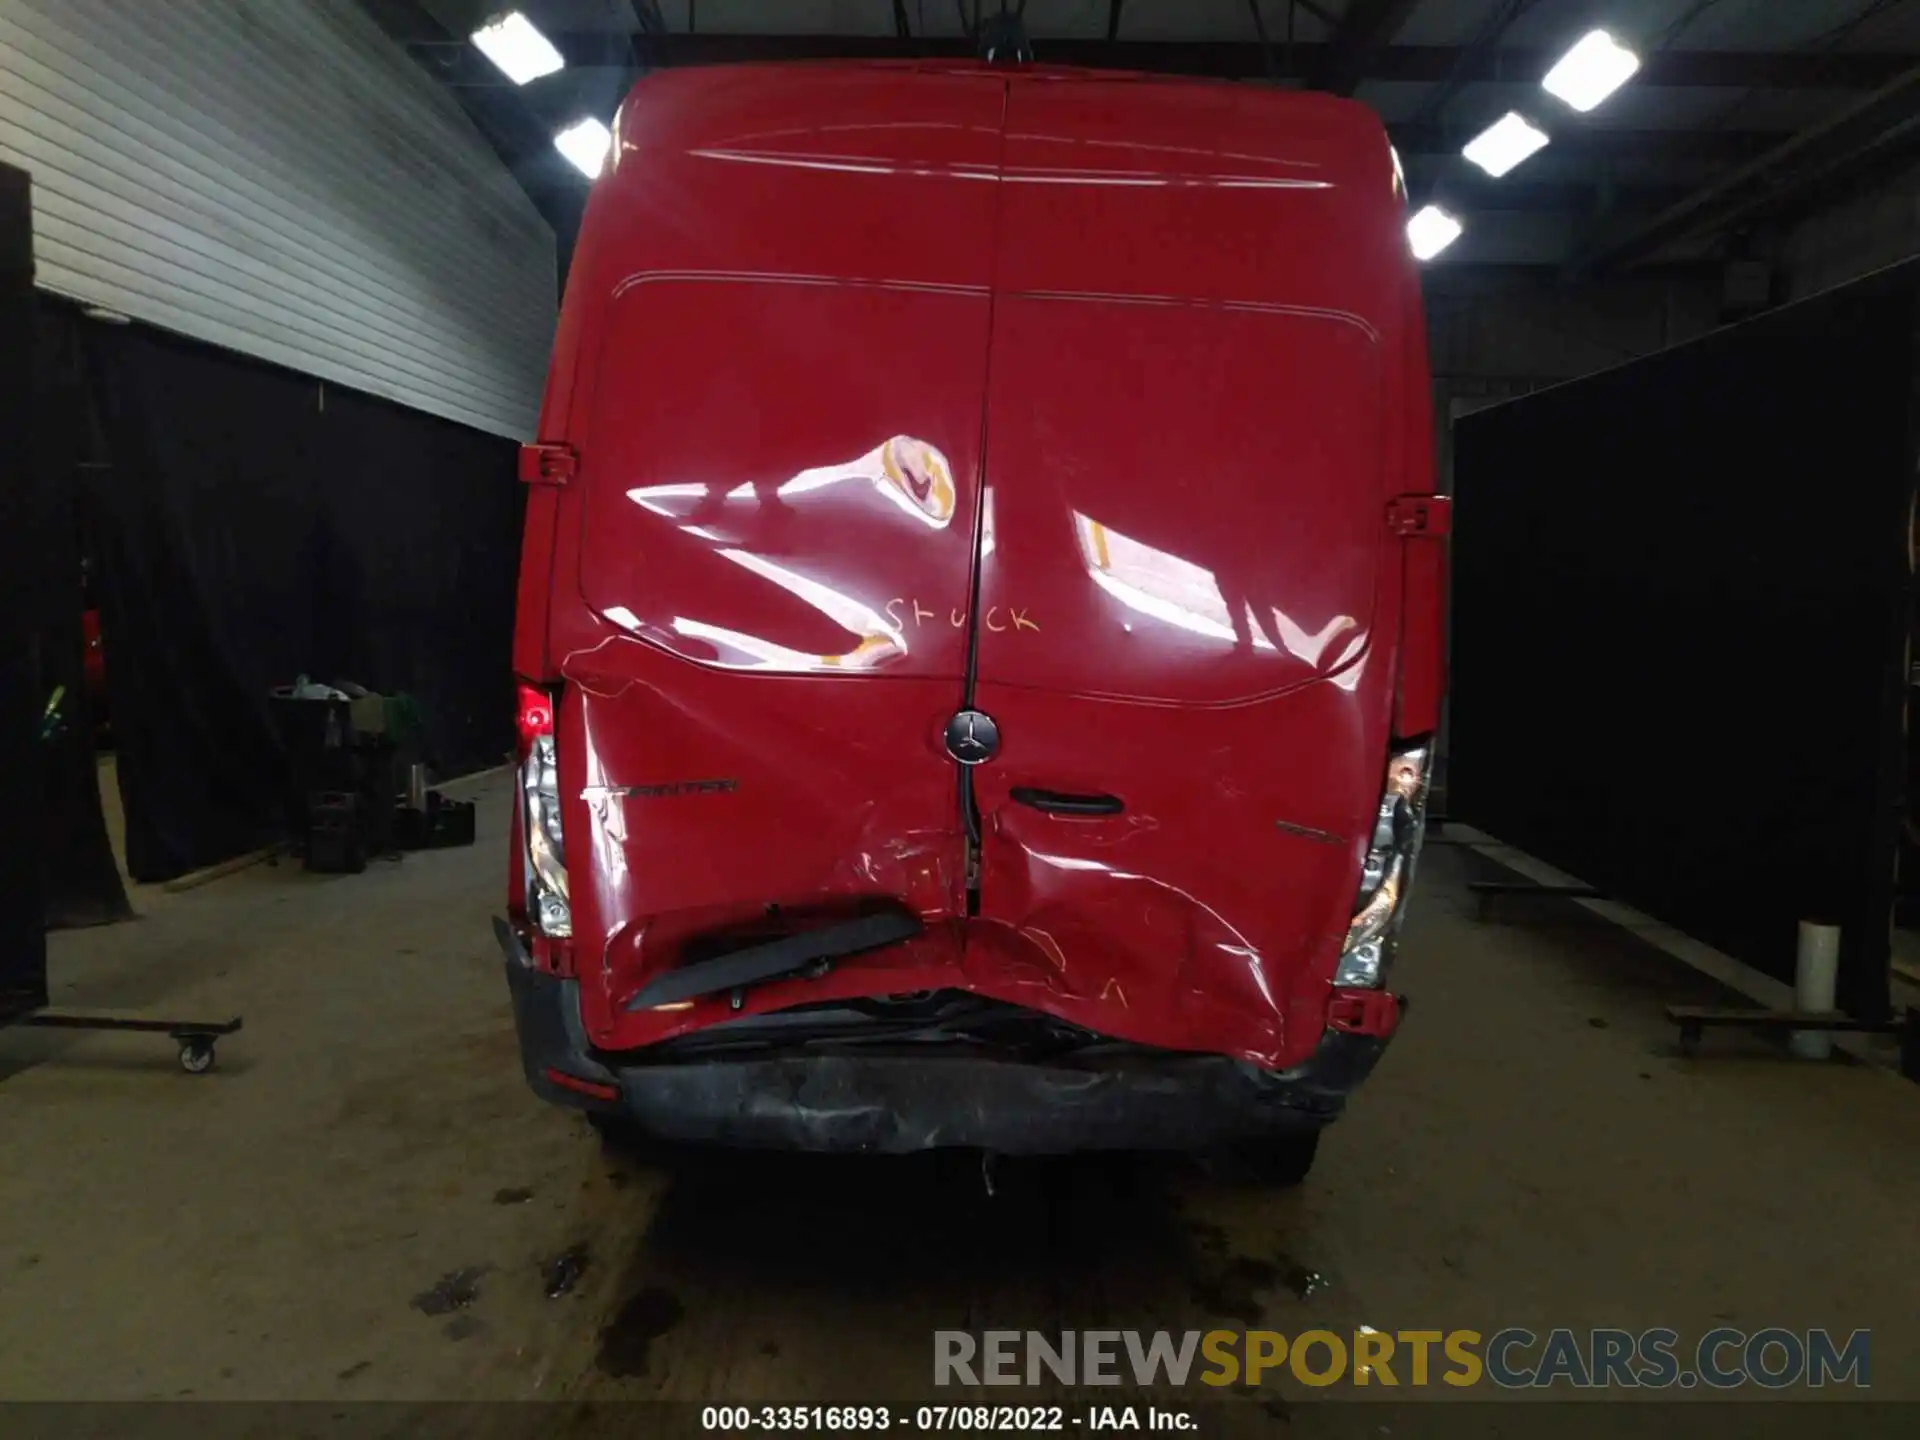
{"x": 972, "y": 738}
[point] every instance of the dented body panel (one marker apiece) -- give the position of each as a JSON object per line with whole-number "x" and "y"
{"x": 1077, "y": 401}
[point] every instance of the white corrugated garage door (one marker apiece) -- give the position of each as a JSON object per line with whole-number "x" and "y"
{"x": 277, "y": 177}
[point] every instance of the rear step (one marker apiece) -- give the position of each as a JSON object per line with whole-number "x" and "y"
{"x": 776, "y": 959}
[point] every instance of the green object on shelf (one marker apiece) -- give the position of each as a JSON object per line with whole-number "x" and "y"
{"x": 405, "y": 723}
{"x": 52, "y": 722}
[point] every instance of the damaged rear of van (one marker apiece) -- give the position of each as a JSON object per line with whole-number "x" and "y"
{"x": 979, "y": 623}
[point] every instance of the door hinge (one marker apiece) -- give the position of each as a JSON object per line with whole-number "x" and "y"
{"x": 548, "y": 464}
{"x": 1420, "y": 516}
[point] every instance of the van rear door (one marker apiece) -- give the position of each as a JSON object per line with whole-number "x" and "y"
{"x": 1181, "y": 580}
{"x": 780, "y": 449}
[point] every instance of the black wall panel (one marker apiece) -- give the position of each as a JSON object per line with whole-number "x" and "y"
{"x": 82, "y": 879}
{"x": 1681, "y": 600}
{"x": 23, "y": 951}
{"x": 253, "y": 525}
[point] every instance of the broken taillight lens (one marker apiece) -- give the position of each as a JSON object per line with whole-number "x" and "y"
{"x": 1399, "y": 825}
{"x": 534, "y": 717}
{"x": 546, "y": 856}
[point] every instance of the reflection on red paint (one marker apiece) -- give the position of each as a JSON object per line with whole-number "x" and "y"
{"x": 1105, "y": 453}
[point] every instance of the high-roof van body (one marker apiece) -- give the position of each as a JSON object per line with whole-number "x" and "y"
{"x": 980, "y": 616}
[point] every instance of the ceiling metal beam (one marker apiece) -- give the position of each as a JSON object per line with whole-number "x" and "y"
{"x": 1243, "y": 60}
{"x": 1266, "y": 45}
{"x": 503, "y": 113}
{"x": 1434, "y": 103}
{"x": 1368, "y": 26}
{"x": 1596, "y": 143}
{"x": 567, "y": 92}
{"x": 516, "y": 123}
{"x": 1823, "y": 159}
{"x": 1474, "y": 194}
{"x": 653, "y": 26}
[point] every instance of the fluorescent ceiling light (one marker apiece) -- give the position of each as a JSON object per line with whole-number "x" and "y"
{"x": 585, "y": 143}
{"x": 1432, "y": 231}
{"x": 1591, "y": 71}
{"x": 521, "y": 52}
{"x": 1504, "y": 144}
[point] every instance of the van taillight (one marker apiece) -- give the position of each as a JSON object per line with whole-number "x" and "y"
{"x": 545, "y": 855}
{"x": 1399, "y": 826}
{"x": 534, "y": 717}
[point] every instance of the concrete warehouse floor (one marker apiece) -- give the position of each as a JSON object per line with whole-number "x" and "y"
{"x": 302, "y": 1223}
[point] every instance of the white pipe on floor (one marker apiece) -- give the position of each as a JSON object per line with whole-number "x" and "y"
{"x": 1816, "y": 971}
{"x": 1736, "y": 975}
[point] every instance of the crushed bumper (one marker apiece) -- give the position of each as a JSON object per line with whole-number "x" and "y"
{"x": 898, "y": 1103}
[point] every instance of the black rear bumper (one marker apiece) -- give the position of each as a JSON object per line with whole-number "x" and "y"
{"x": 896, "y": 1103}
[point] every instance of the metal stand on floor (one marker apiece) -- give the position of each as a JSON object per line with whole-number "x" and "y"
{"x": 1695, "y": 1019}
{"x": 194, "y": 1037}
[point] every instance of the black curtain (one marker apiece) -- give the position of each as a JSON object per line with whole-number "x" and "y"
{"x": 1681, "y": 602}
{"x": 23, "y": 949}
{"x": 71, "y": 859}
{"x": 82, "y": 880}
{"x": 255, "y": 525}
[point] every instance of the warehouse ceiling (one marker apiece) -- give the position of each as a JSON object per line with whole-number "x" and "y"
{"x": 1744, "y": 114}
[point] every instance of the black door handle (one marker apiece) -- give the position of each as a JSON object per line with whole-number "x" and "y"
{"x": 1054, "y": 802}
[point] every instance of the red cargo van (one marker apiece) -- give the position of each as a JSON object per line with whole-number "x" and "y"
{"x": 980, "y": 615}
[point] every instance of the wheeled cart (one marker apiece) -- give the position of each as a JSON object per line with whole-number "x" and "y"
{"x": 195, "y": 1037}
